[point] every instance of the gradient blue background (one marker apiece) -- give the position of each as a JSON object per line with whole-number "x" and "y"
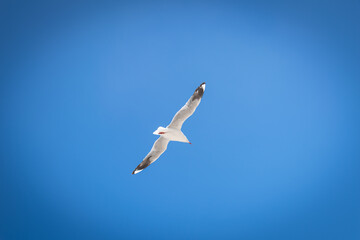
{"x": 275, "y": 151}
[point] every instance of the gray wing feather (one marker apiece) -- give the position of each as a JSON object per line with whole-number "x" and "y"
{"x": 188, "y": 109}
{"x": 158, "y": 148}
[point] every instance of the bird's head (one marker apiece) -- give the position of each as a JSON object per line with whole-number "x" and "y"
{"x": 160, "y": 131}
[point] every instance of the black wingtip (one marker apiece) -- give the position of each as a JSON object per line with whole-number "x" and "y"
{"x": 199, "y": 92}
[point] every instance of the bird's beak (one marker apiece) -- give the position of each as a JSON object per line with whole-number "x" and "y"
{"x": 190, "y": 142}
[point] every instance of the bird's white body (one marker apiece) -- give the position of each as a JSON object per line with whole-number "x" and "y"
{"x": 171, "y": 134}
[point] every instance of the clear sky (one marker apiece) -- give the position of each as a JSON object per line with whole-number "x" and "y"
{"x": 275, "y": 141}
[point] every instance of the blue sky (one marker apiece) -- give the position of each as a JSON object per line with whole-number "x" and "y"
{"x": 275, "y": 141}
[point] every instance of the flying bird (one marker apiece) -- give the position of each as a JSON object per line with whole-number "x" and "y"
{"x": 173, "y": 131}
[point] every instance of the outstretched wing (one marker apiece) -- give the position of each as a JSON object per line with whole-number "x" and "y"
{"x": 188, "y": 109}
{"x": 158, "y": 148}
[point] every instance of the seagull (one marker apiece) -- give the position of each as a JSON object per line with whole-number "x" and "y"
{"x": 173, "y": 131}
